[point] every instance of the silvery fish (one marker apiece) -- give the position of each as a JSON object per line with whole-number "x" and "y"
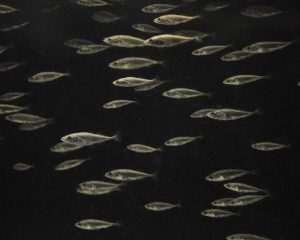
{"x": 6, "y": 66}
{"x": 91, "y": 3}
{"x": 128, "y": 175}
{"x": 95, "y": 224}
{"x": 7, "y": 109}
{"x": 78, "y": 43}
{"x": 243, "y": 79}
{"x": 96, "y": 192}
{"x": 197, "y": 35}
{"x": 242, "y": 188}
{"x": 87, "y": 138}
{"x": 7, "y": 9}
{"x": 227, "y": 174}
{"x": 34, "y": 126}
{"x": 223, "y": 202}
{"x": 96, "y": 185}
{"x": 236, "y": 56}
{"x": 182, "y": 93}
{"x": 179, "y": 141}
{"x": 202, "y": 113}
{"x": 43, "y": 77}
{"x": 22, "y": 166}
{"x": 247, "y": 200}
{"x": 10, "y": 96}
{"x": 5, "y": 48}
{"x": 173, "y": 19}
{"x": 140, "y": 148}
{"x": 149, "y": 85}
{"x": 68, "y": 164}
{"x": 160, "y": 206}
{"x": 216, "y": 6}
{"x": 260, "y": 11}
{"x": 208, "y": 50}
{"x": 159, "y": 8}
{"x": 91, "y": 49}
{"x": 227, "y": 114}
{"x": 131, "y": 63}
{"x": 132, "y": 81}
{"x": 105, "y": 17}
{"x": 8, "y": 28}
{"x": 146, "y": 28}
{"x": 168, "y": 40}
{"x": 268, "y": 146}
{"x": 117, "y": 104}
{"x": 217, "y": 213}
{"x": 124, "y": 41}
{"x": 25, "y": 118}
{"x": 63, "y": 147}
{"x": 266, "y": 47}
{"x": 245, "y": 236}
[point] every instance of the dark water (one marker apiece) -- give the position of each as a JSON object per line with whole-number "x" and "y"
{"x": 42, "y": 203}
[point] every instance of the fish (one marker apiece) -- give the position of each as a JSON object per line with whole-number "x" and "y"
{"x": 91, "y": 3}
{"x": 22, "y": 166}
{"x": 216, "y": 6}
{"x": 7, "y": 108}
{"x": 95, "y": 224}
{"x": 25, "y": 118}
{"x": 96, "y": 192}
{"x": 168, "y": 40}
{"x": 182, "y": 93}
{"x": 266, "y": 47}
{"x": 242, "y": 188}
{"x": 128, "y": 175}
{"x": 217, "y": 213}
{"x": 260, "y": 11}
{"x": 87, "y": 138}
{"x": 98, "y": 185}
{"x": 227, "y": 174}
{"x": 202, "y": 113}
{"x": 6, "y": 66}
{"x": 91, "y": 49}
{"x": 43, "y": 77}
{"x": 105, "y": 17}
{"x": 124, "y": 41}
{"x": 159, "y": 8}
{"x": 10, "y": 96}
{"x": 34, "y": 126}
{"x": 268, "y": 146}
{"x": 180, "y": 141}
{"x": 68, "y": 164}
{"x": 149, "y": 85}
{"x": 227, "y": 114}
{"x": 132, "y": 81}
{"x": 173, "y": 19}
{"x": 247, "y": 200}
{"x": 5, "y": 48}
{"x": 223, "y": 202}
{"x": 208, "y": 50}
{"x": 197, "y": 35}
{"x": 245, "y": 236}
{"x": 131, "y": 63}
{"x": 4, "y": 9}
{"x": 236, "y": 56}
{"x": 140, "y": 148}
{"x": 63, "y": 147}
{"x": 78, "y": 43}
{"x": 161, "y": 206}
{"x": 146, "y": 28}
{"x": 8, "y": 28}
{"x": 243, "y": 79}
{"x": 117, "y": 104}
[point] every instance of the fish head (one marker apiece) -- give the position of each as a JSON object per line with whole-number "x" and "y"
{"x": 231, "y": 81}
{"x": 217, "y": 203}
{"x": 73, "y": 139}
{"x": 172, "y": 94}
{"x": 114, "y": 64}
{"x": 199, "y": 52}
{"x": 156, "y": 42}
{"x": 114, "y": 175}
{"x": 252, "y": 48}
{"x": 81, "y": 224}
{"x": 216, "y": 115}
{"x": 209, "y": 178}
{"x": 113, "y": 41}
{"x": 232, "y": 237}
{"x": 162, "y": 20}
{"x": 228, "y": 57}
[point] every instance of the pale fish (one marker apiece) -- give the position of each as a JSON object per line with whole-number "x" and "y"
{"x": 247, "y": 200}
{"x": 173, "y": 19}
{"x": 243, "y": 79}
{"x": 105, "y": 17}
{"x": 168, "y": 40}
{"x": 236, "y": 56}
{"x": 131, "y": 63}
{"x": 266, "y": 47}
{"x": 149, "y": 86}
{"x": 34, "y": 126}
{"x": 140, "y": 148}
{"x": 91, "y": 3}
{"x": 124, "y": 41}
{"x": 117, "y": 104}
{"x": 182, "y": 93}
{"x": 25, "y": 118}
{"x": 245, "y": 236}
{"x": 22, "y": 166}
{"x": 159, "y": 8}
{"x": 217, "y": 213}
{"x": 227, "y": 114}
{"x": 91, "y": 49}
{"x": 10, "y": 96}
{"x": 180, "y": 141}
{"x": 7, "y": 9}
{"x": 202, "y": 113}
{"x": 268, "y": 146}
{"x": 216, "y": 6}
{"x": 78, "y": 43}
{"x": 260, "y": 11}
{"x": 146, "y": 28}
{"x": 128, "y": 175}
{"x": 208, "y": 50}
{"x": 63, "y": 147}
{"x": 242, "y": 188}
{"x": 87, "y": 138}
{"x": 161, "y": 206}
{"x": 95, "y": 224}
{"x": 6, "y": 66}
{"x": 222, "y": 202}
{"x": 133, "y": 81}
{"x": 68, "y": 164}
{"x": 227, "y": 174}
{"x": 43, "y": 77}
{"x": 7, "y": 108}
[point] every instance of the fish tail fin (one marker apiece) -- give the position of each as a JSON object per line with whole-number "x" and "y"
{"x": 163, "y": 63}
{"x": 198, "y": 16}
{"x": 160, "y": 149}
{"x": 50, "y": 120}
{"x": 267, "y": 192}
{"x": 199, "y": 137}
{"x": 155, "y": 176}
{"x": 119, "y": 224}
{"x": 258, "y": 111}
{"x": 179, "y": 205}
{"x": 267, "y": 76}
{"x": 67, "y": 74}
{"x": 117, "y": 137}
{"x": 252, "y": 172}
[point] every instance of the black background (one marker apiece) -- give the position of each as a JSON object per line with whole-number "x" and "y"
{"x": 42, "y": 203}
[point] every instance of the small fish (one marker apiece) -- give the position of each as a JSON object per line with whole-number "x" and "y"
{"x": 87, "y": 138}
{"x": 268, "y": 146}
{"x": 68, "y": 164}
{"x": 182, "y": 93}
{"x": 78, "y": 43}
{"x": 8, "y": 28}
{"x": 34, "y": 126}
{"x": 208, "y": 50}
{"x": 148, "y": 86}
{"x": 216, "y": 6}
{"x": 117, "y": 104}
{"x": 260, "y": 11}
{"x": 247, "y": 200}
{"x": 146, "y": 28}
{"x": 25, "y": 118}
{"x": 223, "y": 202}
{"x": 124, "y": 41}
{"x": 242, "y": 188}
{"x": 43, "y": 77}
{"x": 10, "y": 96}
{"x": 202, "y": 113}
{"x": 91, "y": 3}
{"x": 245, "y": 236}
{"x": 6, "y": 66}
{"x": 243, "y": 79}
{"x": 7, "y": 109}
{"x": 98, "y": 185}
{"x": 7, "y": 9}
{"x": 227, "y": 114}
{"x": 173, "y": 19}
{"x": 160, "y": 206}
{"x": 236, "y": 56}
{"x": 168, "y": 40}
{"x": 105, "y": 17}
{"x": 96, "y": 192}
{"x": 159, "y": 8}
{"x": 132, "y": 82}
{"x": 227, "y": 174}
{"x": 63, "y": 147}
{"x": 5, "y": 48}
{"x": 128, "y": 175}
{"x": 95, "y": 224}
{"x": 22, "y": 166}
{"x": 180, "y": 141}
{"x": 197, "y": 35}
{"x": 266, "y": 47}
{"x": 217, "y": 213}
{"x": 92, "y": 49}
{"x": 140, "y": 148}
{"x": 131, "y": 63}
